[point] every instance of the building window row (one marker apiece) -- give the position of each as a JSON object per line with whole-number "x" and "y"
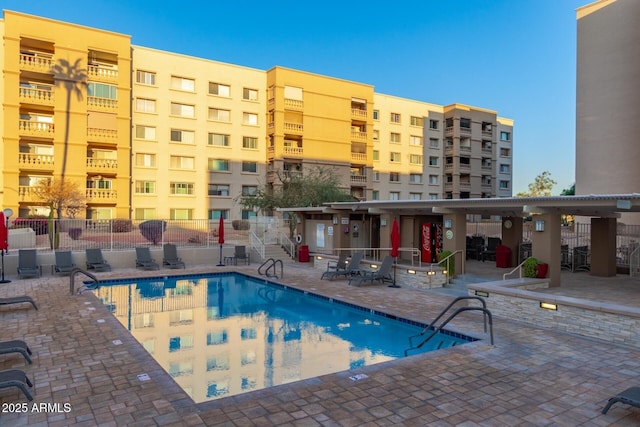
{"x": 187, "y": 84}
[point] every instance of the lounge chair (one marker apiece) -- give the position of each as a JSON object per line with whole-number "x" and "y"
{"x": 144, "y": 260}
{"x": 16, "y": 378}
{"x": 171, "y": 259}
{"x": 18, "y": 300}
{"x": 490, "y": 251}
{"x": 630, "y": 396}
{"x": 16, "y": 346}
{"x": 64, "y": 263}
{"x": 382, "y": 274}
{"x": 240, "y": 253}
{"x": 95, "y": 261}
{"x": 28, "y": 264}
{"x": 340, "y": 264}
{"x": 352, "y": 269}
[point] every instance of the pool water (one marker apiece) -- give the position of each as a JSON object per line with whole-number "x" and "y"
{"x": 225, "y": 334}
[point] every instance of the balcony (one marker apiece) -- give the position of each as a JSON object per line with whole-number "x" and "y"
{"x": 293, "y": 151}
{"x": 102, "y": 104}
{"x": 358, "y": 157}
{"x": 101, "y": 195}
{"x": 102, "y": 73}
{"x": 488, "y": 133}
{"x": 296, "y": 104}
{"x": 358, "y": 135}
{"x": 102, "y": 135}
{"x": 37, "y": 96}
{"x": 26, "y": 194}
{"x": 35, "y": 161}
{"x": 35, "y": 129}
{"x": 35, "y": 61}
{"x": 101, "y": 165}
{"x": 465, "y": 130}
{"x": 358, "y": 113}
{"x": 357, "y": 178}
{"x": 293, "y": 127}
{"x": 270, "y": 152}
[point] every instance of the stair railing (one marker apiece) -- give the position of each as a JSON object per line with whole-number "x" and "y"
{"x": 518, "y": 269}
{"x": 447, "y": 261}
{"x": 256, "y": 244}
{"x": 286, "y": 243}
{"x": 634, "y": 262}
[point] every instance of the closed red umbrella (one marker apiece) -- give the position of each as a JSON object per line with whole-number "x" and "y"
{"x": 4, "y": 233}
{"x": 221, "y": 238}
{"x": 395, "y": 248}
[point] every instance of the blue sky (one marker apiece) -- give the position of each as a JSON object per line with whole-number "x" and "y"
{"x": 513, "y": 56}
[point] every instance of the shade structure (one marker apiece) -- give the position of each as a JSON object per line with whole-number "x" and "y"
{"x": 221, "y": 231}
{"x": 4, "y": 233}
{"x": 395, "y": 248}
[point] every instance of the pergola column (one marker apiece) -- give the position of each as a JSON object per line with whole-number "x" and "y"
{"x": 512, "y": 236}
{"x": 603, "y": 247}
{"x": 454, "y": 238}
{"x": 545, "y": 245}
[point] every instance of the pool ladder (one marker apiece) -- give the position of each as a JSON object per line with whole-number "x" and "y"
{"x": 435, "y": 329}
{"x": 72, "y": 277}
{"x": 271, "y": 264}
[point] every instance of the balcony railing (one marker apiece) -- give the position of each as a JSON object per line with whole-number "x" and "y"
{"x": 35, "y": 128}
{"x": 465, "y": 130}
{"x": 102, "y": 164}
{"x": 359, "y": 178}
{"x": 40, "y": 63}
{"x": 101, "y": 194}
{"x": 32, "y": 160}
{"x": 103, "y": 104}
{"x": 293, "y": 103}
{"x": 37, "y": 96}
{"x": 293, "y": 127}
{"x": 359, "y": 157}
{"x": 270, "y": 152}
{"x": 486, "y": 167}
{"x": 102, "y": 135}
{"x": 358, "y": 113}
{"x": 101, "y": 73}
{"x": 26, "y": 193}
{"x": 466, "y": 148}
{"x": 293, "y": 151}
{"x": 358, "y": 135}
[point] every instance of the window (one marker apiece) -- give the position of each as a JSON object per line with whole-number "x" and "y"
{"x": 448, "y": 122}
{"x": 250, "y": 119}
{"x": 465, "y": 123}
{"x": 182, "y": 188}
{"x": 417, "y": 121}
{"x": 433, "y": 124}
{"x": 292, "y": 92}
{"x": 219, "y": 115}
{"x": 218, "y": 165}
{"x": 219, "y": 89}
{"x": 465, "y": 160}
{"x": 505, "y": 168}
{"x": 415, "y": 178}
{"x": 219, "y": 139}
{"x": 249, "y": 190}
{"x": 416, "y": 141}
{"x": 182, "y": 110}
{"x": 376, "y": 114}
{"x": 247, "y": 214}
{"x": 146, "y": 160}
{"x": 145, "y": 187}
{"x": 145, "y": 77}
{"x": 394, "y": 195}
{"x": 219, "y": 190}
{"x": 376, "y": 176}
{"x": 394, "y": 157}
{"x": 146, "y": 132}
{"x": 433, "y": 161}
{"x": 249, "y": 94}
{"x": 249, "y": 142}
{"x": 375, "y": 195}
{"x": 434, "y": 142}
{"x": 145, "y": 213}
{"x": 504, "y": 185}
{"x": 433, "y": 179}
{"x": 433, "y": 196}
{"x": 395, "y": 118}
{"x": 376, "y": 135}
{"x": 415, "y": 159}
{"x": 180, "y": 162}
{"x": 181, "y": 83}
{"x": 415, "y": 196}
{"x": 218, "y": 213}
{"x": 505, "y": 152}
{"x": 394, "y": 137}
{"x": 183, "y": 136}
{"x": 145, "y": 105}
{"x": 394, "y": 177}
{"x": 376, "y": 155}
{"x": 181, "y": 213}
{"x": 505, "y": 136}
{"x": 101, "y": 90}
{"x": 250, "y": 167}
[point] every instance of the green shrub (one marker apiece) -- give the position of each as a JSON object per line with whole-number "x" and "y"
{"x": 451, "y": 271}
{"x": 530, "y": 266}
{"x": 121, "y": 225}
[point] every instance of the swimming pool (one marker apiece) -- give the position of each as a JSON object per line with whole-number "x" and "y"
{"x": 224, "y": 334}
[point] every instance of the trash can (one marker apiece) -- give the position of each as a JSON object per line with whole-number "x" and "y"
{"x": 303, "y": 253}
{"x": 503, "y": 256}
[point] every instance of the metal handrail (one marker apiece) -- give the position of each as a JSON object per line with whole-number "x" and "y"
{"x": 287, "y": 244}
{"x": 255, "y": 243}
{"x": 375, "y": 253}
{"x": 271, "y": 263}
{"x": 634, "y": 256}
{"x": 448, "y": 258}
{"x": 518, "y": 268}
{"x": 72, "y": 277}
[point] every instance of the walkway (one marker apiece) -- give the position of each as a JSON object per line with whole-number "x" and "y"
{"x": 531, "y": 377}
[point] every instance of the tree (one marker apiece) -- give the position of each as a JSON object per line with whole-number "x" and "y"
{"x": 312, "y": 188}
{"x": 541, "y": 186}
{"x": 60, "y": 197}
{"x": 571, "y": 191}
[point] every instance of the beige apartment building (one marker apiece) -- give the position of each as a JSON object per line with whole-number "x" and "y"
{"x": 608, "y": 99}
{"x": 154, "y": 134}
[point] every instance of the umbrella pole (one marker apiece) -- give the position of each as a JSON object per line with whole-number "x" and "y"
{"x": 395, "y": 265}
{"x": 220, "y": 264}
{"x": 3, "y": 280}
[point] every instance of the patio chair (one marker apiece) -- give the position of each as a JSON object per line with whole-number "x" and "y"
{"x": 95, "y": 261}
{"x": 630, "y": 396}
{"x": 16, "y": 346}
{"x": 28, "y": 264}
{"x": 16, "y": 378}
{"x": 340, "y": 264}
{"x": 581, "y": 259}
{"x": 171, "y": 258}
{"x": 490, "y": 251}
{"x": 18, "y": 300}
{"x": 565, "y": 259}
{"x": 353, "y": 268}
{"x": 240, "y": 253}
{"x": 475, "y": 245}
{"x": 144, "y": 260}
{"x": 382, "y": 274}
{"x": 64, "y": 263}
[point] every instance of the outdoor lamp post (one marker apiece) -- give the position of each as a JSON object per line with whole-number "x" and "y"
{"x": 5, "y": 239}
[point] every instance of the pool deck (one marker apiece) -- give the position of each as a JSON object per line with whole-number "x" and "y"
{"x": 530, "y": 377}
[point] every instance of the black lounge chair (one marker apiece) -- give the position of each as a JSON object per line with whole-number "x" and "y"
{"x": 353, "y": 268}
{"x": 382, "y": 274}
{"x": 475, "y": 246}
{"x": 18, "y": 300}
{"x": 28, "y": 264}
{"x": 144, "y": 260}
{"x": 64, "y": 263}
{"x": 340, "y": 264}
{"x": 95, "y": 261}
{"x": 16, "y": 378}
{"x": 171, "y": 258}
{"x": 240, "y": 253}
{"x": 492, "y": 246}
{"x": 630, "y": 396}
{"x": 16, "y": 346}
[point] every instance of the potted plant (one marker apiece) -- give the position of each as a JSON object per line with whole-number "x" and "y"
{"x": 530, "y": 267}
{"x": 541, "y": 270}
